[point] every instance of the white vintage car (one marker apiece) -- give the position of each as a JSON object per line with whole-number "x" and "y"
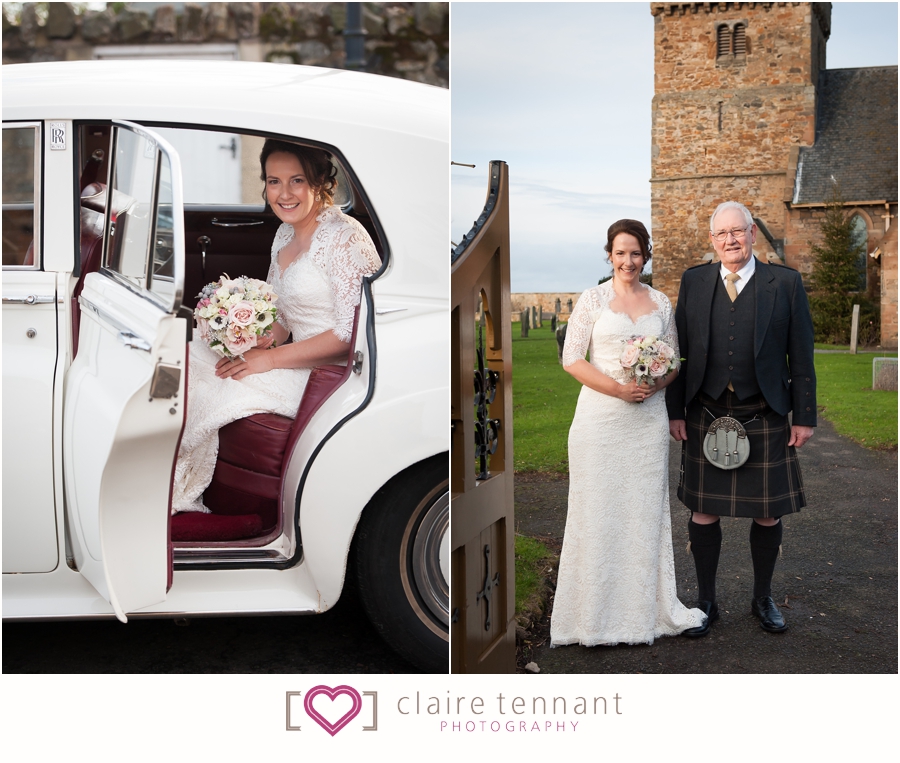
{"x": 95, "y": 331}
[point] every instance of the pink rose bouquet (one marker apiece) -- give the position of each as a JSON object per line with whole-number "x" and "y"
{"x": 647, "y": 358}
{"x": 233, "y": 312}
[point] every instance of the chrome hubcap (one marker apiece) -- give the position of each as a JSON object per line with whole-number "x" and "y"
{"x": 429, "y": 558}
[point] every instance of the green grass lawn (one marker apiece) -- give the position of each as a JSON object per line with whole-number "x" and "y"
{"x": 846, "y": 399}
{"x": 532, "y": 560}
{"x": 544, "y": 398}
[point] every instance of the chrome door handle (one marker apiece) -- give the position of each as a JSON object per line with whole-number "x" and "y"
{"x": 134, "y": 342}
{"x": 216, "y": 222}
{"x": 204, "y": 242}
{"x": 31, "y": 299}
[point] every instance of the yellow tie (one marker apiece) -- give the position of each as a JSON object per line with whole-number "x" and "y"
{"x": 732, "y": 292}
{"x": 729, "y": 285}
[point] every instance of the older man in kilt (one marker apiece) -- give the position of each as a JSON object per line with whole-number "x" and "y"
{"x": 745, "y": 331}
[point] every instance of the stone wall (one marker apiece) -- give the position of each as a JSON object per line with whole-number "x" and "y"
{"x": 407, "y": 40}
{"x": 724, "y": 126}
{"x": 888, "y": 247}
{"x": 546, "y": 301}
{"x": 681, "y": 210}
{"x": 803, "y": 230}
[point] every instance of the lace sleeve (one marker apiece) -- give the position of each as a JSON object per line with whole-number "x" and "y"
{"x": 670, "y": 333}
{"x": 580, "y": 327}
{"x": 349, "y": 256}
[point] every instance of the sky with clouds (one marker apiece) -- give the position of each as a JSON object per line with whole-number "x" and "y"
{"x": 562, "y": 93}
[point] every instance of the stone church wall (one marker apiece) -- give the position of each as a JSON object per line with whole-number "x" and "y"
{"x": 725, "y": 126}
{"x": 804, "y": 230}
{"x": 889, "y": 290}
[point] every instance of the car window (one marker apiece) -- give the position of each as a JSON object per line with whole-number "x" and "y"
{"x": 164, "y": 237}
{"x": 133, "y": 184}
{"x": 223, "y": 167}
{"x": 21, "y": 173}
{"x": 144, "y": 214}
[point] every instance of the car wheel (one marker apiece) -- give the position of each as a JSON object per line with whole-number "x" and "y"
{"x": 402, "y": 550}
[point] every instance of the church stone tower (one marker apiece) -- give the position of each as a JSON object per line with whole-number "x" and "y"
{"x": 735, "y": 98}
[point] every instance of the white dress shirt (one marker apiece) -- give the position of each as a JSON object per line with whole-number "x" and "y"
{"x": 745, "y": 273}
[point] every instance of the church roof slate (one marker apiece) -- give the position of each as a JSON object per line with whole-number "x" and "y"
{"x": 856, "y": 137}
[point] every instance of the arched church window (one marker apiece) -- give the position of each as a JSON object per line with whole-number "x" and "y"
{"x": 739, "y": 41}
{"x": 723, "y": 41}
{"x": 859, "y": 239}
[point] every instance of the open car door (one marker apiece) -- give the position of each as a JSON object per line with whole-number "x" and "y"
{"x": 125, "y": 391}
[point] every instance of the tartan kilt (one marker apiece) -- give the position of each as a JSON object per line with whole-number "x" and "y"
{"x": 768, "y": 485}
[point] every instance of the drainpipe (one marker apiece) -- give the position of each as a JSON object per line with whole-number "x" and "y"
{"x": 354, "y": 38}
{"x": 776, "y": 243}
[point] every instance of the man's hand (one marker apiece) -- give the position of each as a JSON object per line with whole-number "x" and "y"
{"x": 678, "y": 429}
{"x": 799, "y": 436}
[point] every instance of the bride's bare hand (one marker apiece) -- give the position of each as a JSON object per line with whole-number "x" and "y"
{"x": 254, "y": 362}
{"x": 632, "y": 393}
{"x": 265, "y": 341}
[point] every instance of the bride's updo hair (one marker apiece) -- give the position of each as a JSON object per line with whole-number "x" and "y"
{"x": 633, "y": 227}
{"x": 321, "y": 174}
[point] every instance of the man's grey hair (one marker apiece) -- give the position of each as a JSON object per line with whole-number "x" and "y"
{"x": 748, "y": 218}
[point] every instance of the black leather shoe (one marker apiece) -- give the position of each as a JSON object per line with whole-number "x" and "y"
{"x": 770, "y": 617}
{"x": 711, "y": 610}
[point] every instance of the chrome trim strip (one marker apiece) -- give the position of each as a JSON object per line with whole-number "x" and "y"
{"x": 193, "y": 557}
{"x": 31, "y": 299}
{"x": 386, "y": 310}
{"x": 215, "y": 222}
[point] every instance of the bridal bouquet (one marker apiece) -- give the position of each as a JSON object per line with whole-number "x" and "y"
{"x": 233, "y": 312}
{"x": 648, "y": 358}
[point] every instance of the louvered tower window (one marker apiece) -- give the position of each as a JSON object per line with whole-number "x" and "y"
{"x": 740, "y": 40}
{"x": 723, "y": 41}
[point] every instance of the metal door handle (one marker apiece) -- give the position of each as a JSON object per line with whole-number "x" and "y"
{"x": 204, "y": 242}
{"x": 134, "y": 342}
{"x": 31, "y": 299}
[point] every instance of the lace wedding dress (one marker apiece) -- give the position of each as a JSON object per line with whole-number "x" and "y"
{"x": 616, "y": 579}
{"x": 318, "y": 291}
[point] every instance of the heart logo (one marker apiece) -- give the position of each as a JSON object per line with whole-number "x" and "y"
{"x": 332, "y": 728}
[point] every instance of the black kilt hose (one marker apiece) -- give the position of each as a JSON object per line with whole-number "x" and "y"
{"x": 767, "y": 485}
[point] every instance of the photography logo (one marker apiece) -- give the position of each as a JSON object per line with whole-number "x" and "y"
{"x": 332, "y": 708}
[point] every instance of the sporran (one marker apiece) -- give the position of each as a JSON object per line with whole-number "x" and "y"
{"x": 726, "y": 445}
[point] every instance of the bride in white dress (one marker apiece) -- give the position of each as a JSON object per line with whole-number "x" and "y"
{"x": 319, "y": 258}
{"x": 616, "y": 579}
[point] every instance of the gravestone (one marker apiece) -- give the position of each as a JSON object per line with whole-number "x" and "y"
{"x": 884, "y": 374}
{"x": 560, "y": 341}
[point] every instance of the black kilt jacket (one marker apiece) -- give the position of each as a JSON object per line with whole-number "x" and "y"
{"x": 782, "y": 342}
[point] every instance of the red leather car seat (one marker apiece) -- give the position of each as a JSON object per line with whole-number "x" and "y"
{"x": 253, "y": 454}
{"x": 93, "y": 208}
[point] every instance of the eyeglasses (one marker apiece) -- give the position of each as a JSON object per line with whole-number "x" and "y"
{"x": 723, "y": 235}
